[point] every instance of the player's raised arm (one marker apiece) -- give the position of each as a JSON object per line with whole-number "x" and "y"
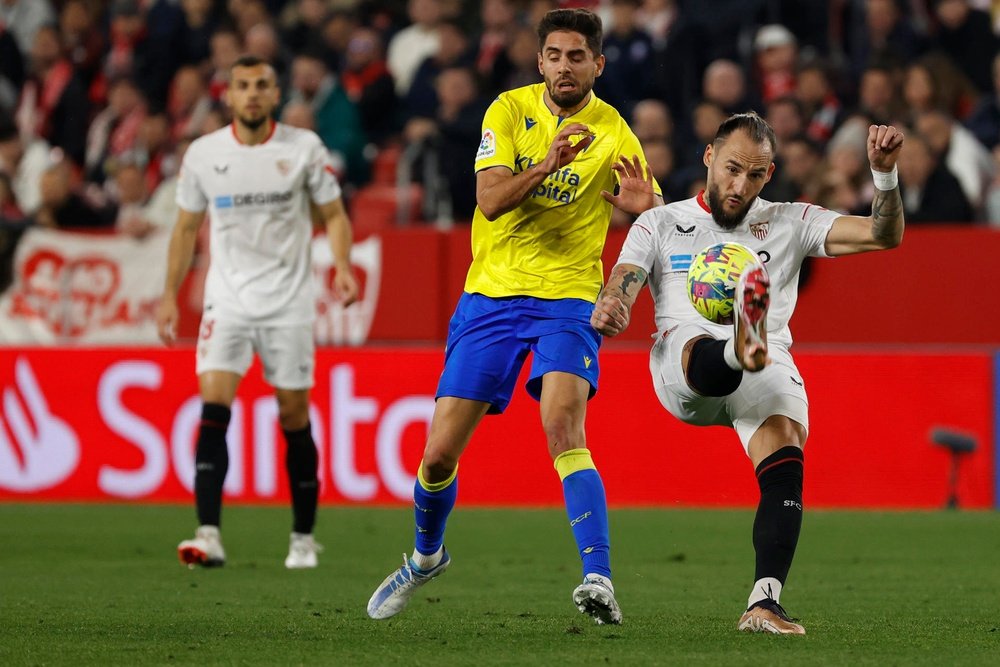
{"x": 636, "y": 194}
{"x": 338, "y": 232}
{"x": 179, "y": 257}
{"x": 884, "y": 227}
{"x": 614, "y": 305}
{"x": 499, "y": 190}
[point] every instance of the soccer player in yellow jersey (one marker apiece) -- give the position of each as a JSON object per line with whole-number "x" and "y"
{"x": 547, "y": 165}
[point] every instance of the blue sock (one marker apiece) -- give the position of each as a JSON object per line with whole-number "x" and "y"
{"x": 432, "y": 504}
{"x": 586, "y": 508}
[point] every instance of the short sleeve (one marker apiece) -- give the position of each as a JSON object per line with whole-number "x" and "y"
{"x": 629, "y": 146}
{"x": 816, "y": 225}
{"x": 320, "y": 178}
{"x": 639, "y": 248}
{"x": 496, "y": 146}
{"x": 190, "y": 195}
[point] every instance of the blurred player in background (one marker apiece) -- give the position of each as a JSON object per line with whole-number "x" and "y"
{"x": 549, "y": 155}
{"x": 743, "y": 376}
{"x": 257, "y": 179}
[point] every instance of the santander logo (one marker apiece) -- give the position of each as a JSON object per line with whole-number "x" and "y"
{"x": 38, "y": 449}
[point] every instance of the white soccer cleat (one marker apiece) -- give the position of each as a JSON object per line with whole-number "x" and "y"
{"x": 205, "y": 549}
{"x": 395, "y": 591}
{"x": 596, "y": 598}
{"x": 302, "y": 552}
{"x": 750, "y": 302}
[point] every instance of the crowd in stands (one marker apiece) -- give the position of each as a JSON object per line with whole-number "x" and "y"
{"x": 100, "y": 98}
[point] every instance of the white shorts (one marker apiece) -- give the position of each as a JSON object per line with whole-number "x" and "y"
{"x": 776, "y": 390}
{"x": 288, "y": 354}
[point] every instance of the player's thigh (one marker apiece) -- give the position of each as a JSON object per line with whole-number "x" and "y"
{"x": 288, "y": 355}
{"x": 778, "y": 390}
{"x": 670, "y": 383}
{"x": 452, "y": 425}
{"x": 483, "y": 355}
{"x": 223, "y": 355}
{"x": 563, "y": 342}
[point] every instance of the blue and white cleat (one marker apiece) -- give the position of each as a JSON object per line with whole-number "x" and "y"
{"x": 395, "y": 591}
{"x": 596, "y": 598}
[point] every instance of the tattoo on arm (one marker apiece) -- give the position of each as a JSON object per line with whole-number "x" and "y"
{"x": 628, "y": 277}
{"x": 887, "y": 217}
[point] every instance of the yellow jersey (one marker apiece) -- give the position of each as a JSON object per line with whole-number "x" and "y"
{"x": 550, "y": 246}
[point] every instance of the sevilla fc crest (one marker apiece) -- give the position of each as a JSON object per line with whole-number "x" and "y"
{"x": 760, "y": 229}
{"x": 284, "y": 166}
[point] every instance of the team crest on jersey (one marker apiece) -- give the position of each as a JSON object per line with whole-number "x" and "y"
{"x": 488, "y": 145}
{"x": 760, "y": 229}
{"x": 284, "y": 166}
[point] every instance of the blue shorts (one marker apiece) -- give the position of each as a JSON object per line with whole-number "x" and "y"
{"x": 489, "y": 339}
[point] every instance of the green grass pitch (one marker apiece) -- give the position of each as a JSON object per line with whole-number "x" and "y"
{"x": 101, "y": 585}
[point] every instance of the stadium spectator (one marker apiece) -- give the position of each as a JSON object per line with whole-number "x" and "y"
{"x": 189, "y": 102}
{"x": 966, "y": 36}
{"x": 775, "y": 57}
{"x": 878, "y": 94}
{"x": 130, "y": 201}
{"x": 993, "y": 192}
{"x": 11, "y": 71}
{"x": 522, "y": 53}
{"x": 931, "y": 193}
{"x": 115, "y": 130}
{"x": 53, "y": 103}
{"x": 154, "y": 150}
{"x": 800, "y": 160}
{"x": 725, "y": 84}
{"x": 537, "y": 243}
{"x": 161, "y": 209}
{"x": 453, "y": 51}
{"x": 736, "y": 373}
{"x": 62, "y": 207}
{"x": 338, "y": 27}
{"x": 959, "y": 151}
{"x": 933, "y": 82}
{"x": 133, "y": 51}
{"x": 226, "y": 46}
{"x": 246, "y": 315}
{"x": 651, "y": 121}
{"x": 300, "y": 115}
{"x": 881, "y": 33}
{"x": 984, "y": 122}
{"x": 411, "y": 45}
{"x": 498, "y": 22}
{"x": 23, "y": 164}
{"x": 23, "y": 18}
{"x": 337, "y": 121}
{"x": 305, "y": 25}
{"x": 822, "y": 106}
{"x": 263, "y": 42}
{"x": 628, "y": 54}
{"x": 369, "y": 85}
{"x": 787, "y": 117}
{"x": 199, "y": 23}
{"x": 82, "y": 40}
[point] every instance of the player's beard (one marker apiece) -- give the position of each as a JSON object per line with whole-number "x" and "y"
{"x": 253, "y": 124}
{"x": 570, "y": 99}
{"x": 723, "y": 219}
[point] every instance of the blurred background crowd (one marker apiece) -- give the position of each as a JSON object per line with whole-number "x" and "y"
{"x": 100, "y": 98}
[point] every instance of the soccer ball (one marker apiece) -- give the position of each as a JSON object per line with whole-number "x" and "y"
{"x": 712, "y": 277}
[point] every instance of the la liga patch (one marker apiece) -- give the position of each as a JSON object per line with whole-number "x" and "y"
{"x": 488, "y": 145}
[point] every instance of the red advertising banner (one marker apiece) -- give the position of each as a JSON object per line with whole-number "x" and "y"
{"x": 120, "y": 424}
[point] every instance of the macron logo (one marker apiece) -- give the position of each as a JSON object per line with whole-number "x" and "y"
{"x": 529, "y": 122}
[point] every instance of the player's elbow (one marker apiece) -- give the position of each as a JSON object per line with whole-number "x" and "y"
{"x": 490, "y": 212}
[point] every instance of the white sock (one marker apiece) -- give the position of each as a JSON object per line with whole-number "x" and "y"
{"x": 765, "y": 588}
{"x": 729, "y": 354}
{"x": 425, "y": 562}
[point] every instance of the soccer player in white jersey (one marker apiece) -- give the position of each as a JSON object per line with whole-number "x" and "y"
{"x": 743, "y": 376}
{"x": 258, "y": 180}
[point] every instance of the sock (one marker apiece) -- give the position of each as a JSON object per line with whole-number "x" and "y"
{"x": 432, "y": 503}
{"x": 708, "y": 371}
{"x": 778, "y": 521}
{"x": 586, "y": 508}
{"x": 301, "y": 462}
{"x": 211, "y": 463}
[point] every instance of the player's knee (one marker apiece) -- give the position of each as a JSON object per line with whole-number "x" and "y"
{"x": 563, "y": 433}
{"x": 706, "y": 369}
{"x": 438, "y": 466}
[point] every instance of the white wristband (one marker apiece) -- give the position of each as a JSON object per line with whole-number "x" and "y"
{"x": 886, "y": 180}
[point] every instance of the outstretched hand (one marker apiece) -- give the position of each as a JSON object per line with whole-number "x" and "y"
{"x": 884, "y": 143}
{"x": 635, "y": 190}
{"x": 563, "y": 150}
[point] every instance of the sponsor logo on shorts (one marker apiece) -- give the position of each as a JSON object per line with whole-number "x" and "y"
{"x": 586, "y": 362}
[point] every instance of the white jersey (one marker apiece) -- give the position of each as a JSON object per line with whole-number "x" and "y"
{"x": 664, "y": 240}
{"x": 258, "y": 198}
